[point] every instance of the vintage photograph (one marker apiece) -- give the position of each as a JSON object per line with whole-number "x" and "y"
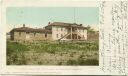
{"x": 66, "y": 36}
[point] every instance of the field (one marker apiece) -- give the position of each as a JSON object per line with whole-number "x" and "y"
{"x": 52, "y": 53}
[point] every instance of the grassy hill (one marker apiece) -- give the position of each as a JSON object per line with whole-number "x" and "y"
{"x": 52, "y": 53}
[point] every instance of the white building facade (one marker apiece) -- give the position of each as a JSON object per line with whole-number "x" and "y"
{"x": 67, "y": 31}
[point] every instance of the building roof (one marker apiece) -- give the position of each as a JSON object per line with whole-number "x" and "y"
{"x": 66, "y": 24}
{"x": 27, "y": 29}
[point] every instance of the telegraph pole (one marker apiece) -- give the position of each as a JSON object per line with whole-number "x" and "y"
{"x": 74, "y": 15}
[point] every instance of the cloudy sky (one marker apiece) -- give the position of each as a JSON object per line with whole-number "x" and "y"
{"x": 40, "y": 16}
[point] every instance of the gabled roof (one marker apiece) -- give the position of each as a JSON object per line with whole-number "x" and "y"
{"x": 66, "y": 24}
{"x": 27, "y": 29}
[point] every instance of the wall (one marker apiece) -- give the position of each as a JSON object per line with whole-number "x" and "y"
{"x": 93, "y": 36}
{"x": 31, "y": 36}
{"x": 83, "y": 33}
{"x": 57, "y": 30}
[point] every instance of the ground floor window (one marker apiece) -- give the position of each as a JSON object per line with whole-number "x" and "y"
{"x": 19, "y": 33}
{"x": 61, "y": 35}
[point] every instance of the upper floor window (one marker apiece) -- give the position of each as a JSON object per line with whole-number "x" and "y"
{"x": 57, "y": 35}
{"x": 27, "y": 32}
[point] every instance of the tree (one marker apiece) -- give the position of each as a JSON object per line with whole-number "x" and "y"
{"x": 90, "y": 30}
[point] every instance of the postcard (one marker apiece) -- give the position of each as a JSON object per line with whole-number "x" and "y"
{"x": 64, "y": 37}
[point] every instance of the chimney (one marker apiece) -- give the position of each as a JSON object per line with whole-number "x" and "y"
{"x": 48, "y": 23}
{"x": 23, "y": 25}
{"x": 80, "y": 24}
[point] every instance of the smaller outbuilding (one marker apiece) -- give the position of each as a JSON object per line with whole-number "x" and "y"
{"x": 26, "y": 33}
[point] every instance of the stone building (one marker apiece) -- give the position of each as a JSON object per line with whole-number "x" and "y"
{"x": 26, "y": 33}
{"x": 53, "y": 31}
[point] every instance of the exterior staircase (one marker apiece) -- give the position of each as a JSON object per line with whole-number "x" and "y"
{"x": 77, "y": 33}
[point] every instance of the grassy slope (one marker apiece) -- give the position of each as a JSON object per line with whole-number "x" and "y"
{"x": 16, "y": 52}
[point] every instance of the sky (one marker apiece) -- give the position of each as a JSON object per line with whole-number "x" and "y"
{"x": 40, "y": 16}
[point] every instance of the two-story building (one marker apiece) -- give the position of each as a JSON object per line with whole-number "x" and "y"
{"x": 67, "y": 31}
{"x": 53, "y": 31}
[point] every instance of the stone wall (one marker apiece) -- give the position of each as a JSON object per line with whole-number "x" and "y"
{"x": 31, "y": 36}
{"x": 93, "y": 36}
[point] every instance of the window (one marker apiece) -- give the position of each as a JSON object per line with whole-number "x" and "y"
{"x": 61, "y": 35}
{"x": 57, "y": 35}
{"x": 45, "y": 35}
{"x": 19, "y": 33}
{"x": 27, "y": 32}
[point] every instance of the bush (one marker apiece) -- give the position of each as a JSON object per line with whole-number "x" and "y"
{"x": 16, "y": 59}
{"x": 72, "y": 62}
{"x": 89, "y": 62}
{"x": 16, "y": 47}
{"x": 81, "y": 61}
{"x": 15, "y": 53}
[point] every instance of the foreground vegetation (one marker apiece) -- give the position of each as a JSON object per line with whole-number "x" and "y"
{"x": 52, "y": 53}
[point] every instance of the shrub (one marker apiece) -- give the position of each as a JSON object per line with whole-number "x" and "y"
{"x": 89, "y": 62}
{"x": 16, "y": 59}
{"x": 16, "y": 47}
{"x": 81, "y": 61}
{"x": 72, "y": 62}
